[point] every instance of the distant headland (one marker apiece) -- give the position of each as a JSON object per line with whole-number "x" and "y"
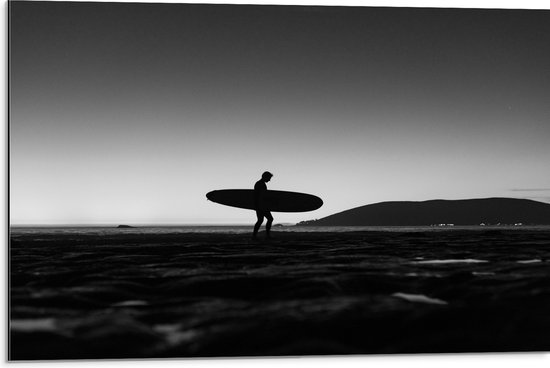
{"x": 487, "y": 211}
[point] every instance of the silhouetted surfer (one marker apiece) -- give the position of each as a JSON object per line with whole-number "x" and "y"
{"x": 260, "y": 190}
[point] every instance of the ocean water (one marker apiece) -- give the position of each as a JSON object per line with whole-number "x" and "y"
{"x": 243, "y": 229}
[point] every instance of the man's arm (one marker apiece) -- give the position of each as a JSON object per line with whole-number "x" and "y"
{"x": 259, "y": 193}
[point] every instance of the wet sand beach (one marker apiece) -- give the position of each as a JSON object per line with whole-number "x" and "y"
{"x": 125, "y": 294}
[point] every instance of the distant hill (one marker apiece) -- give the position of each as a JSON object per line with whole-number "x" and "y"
{"x": 457, "y": 212}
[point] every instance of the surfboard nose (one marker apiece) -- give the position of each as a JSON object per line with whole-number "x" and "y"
{"x": 211, "y": 195}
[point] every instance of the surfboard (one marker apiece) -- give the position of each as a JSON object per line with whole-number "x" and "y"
{"x": 276, "y": 200}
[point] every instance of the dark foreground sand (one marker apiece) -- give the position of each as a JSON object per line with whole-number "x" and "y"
{"x": 202, "y": 295}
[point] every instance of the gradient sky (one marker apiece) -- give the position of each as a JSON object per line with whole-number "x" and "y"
{"x": 131, "y": 113}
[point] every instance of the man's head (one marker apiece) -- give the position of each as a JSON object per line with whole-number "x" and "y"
{"x": 266, "y": 176}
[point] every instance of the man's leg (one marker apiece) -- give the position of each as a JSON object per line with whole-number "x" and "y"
{"x": 260, "y": 217}
{"x": 268, "y": 223}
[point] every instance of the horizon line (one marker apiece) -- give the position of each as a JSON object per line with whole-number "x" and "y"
{"x": 141, "y": 224}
